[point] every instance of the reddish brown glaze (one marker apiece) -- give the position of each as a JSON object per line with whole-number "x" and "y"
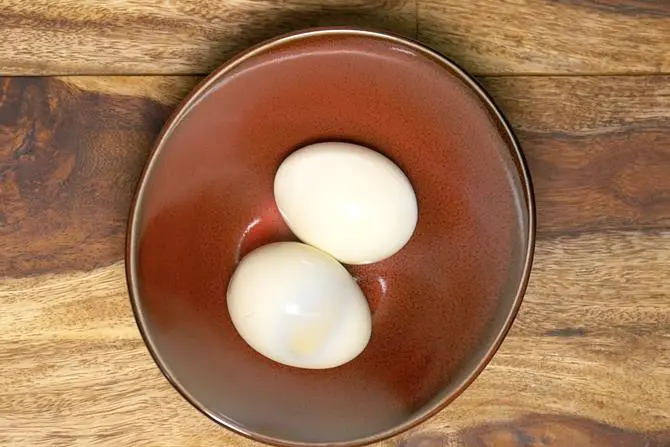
{"x": 441, "y": 305}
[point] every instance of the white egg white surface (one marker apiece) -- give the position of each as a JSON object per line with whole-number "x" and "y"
{"x": 347, "y": 200}
{"x": 298, "y": 306}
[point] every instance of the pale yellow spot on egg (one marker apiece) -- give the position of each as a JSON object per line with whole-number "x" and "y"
{"x": 306, "y": 338}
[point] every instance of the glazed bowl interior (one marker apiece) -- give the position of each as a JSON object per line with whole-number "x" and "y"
{"x": 441, "y": 305}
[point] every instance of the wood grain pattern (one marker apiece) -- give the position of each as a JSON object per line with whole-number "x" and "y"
{"x": 192, "y": 37}
{"x": 69, "y": 161}
{"x": 95, "y": 383}
{"x": 598, "y": 148}
{"x": 167, "y": 36}
{"x": 550, "y": 36}
{"x": 540, "y": 431}
{"x": 71, "y": 150}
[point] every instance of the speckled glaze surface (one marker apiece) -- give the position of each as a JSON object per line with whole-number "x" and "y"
{"x": 441, "y": 306}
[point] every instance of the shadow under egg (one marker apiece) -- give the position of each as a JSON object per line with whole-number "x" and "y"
{"x": 268, "y": 226}
{"x": 265, "y": 227}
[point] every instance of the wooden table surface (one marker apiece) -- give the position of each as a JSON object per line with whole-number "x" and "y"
{"x": 586, "y": 86}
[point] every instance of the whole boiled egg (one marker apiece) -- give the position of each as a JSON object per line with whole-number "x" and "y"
{"x": 349, "y": 201}
{"x": 298, "y": 306}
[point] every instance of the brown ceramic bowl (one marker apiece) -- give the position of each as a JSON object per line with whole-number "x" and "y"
{"x": 441, "y": 306}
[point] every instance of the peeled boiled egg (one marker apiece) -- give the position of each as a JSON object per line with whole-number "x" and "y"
{"x": 298, "y": 306}
{"x": 347, "y": 200}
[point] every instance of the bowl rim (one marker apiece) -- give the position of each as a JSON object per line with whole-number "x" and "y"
{"x": 196, "y": 95}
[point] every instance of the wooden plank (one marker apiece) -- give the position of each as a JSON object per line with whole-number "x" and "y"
{"x": 193, "y": 37}
{"x": 42, "y": 37}
{"x": 72, "y": 149}
{"x": 550, "y": 37}
{"x": 588, "y": 360}
{"x": 598, "y": 148}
